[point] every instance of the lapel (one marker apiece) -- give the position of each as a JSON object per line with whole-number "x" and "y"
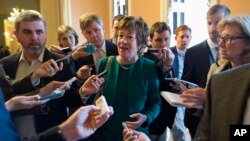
{"x": 11, "y": 65}
{"x": 112, "y": 77}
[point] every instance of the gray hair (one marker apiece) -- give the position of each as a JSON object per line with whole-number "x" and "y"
{"x": 243, "y": 22}
{"x": 30, "y": 16}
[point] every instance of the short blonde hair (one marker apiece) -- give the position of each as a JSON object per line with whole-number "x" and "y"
{"x": 89, "y": 18}
{"x": 244, "y": 23}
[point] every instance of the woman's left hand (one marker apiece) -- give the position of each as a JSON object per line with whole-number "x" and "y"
{"x": 140, "y": 119}
{"x": 194, "y": 97}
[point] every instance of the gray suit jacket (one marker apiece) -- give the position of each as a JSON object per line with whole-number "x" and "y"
{"x": 226, "y": 101}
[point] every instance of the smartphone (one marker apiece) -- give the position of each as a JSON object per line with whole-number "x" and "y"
{"x": 102, "y": 73}
{"x": 52, "y": 95}
{"x": 179, "y": 85}
{"x": 102, "y": 104}
{"x": 64, "y": 59}
{"x": 124, "y": 126}
{"x": 156, "y": 50}
{"x": 90, "y": 48}
{"x": 70, "y": 81}
{"x": 66, "y": 49}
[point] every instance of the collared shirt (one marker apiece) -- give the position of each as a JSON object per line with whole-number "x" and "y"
{"x": 99, "y": 53}
{"x": 26, "y": 124}
{"x": 181, "y": 56}
{"x": 214, "y": 49}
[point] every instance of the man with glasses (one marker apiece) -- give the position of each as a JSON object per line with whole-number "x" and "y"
{"x": 199, "y": 58}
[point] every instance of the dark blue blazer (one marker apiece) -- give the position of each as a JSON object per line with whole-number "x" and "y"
{"x": 58, "y": 107}
{"x": 176, "y": 61}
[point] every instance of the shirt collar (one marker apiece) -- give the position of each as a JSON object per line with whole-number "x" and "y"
{"x": 181, "y": 52}
{"x": 211, "y": 43}
{"x": 40, "y": 58}
{"x": 103, "y": 49}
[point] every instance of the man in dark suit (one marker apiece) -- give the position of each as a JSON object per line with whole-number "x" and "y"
{"x": 182, "y": 38}
{"x": 226, "y": 104}
{"x": 31, "y": 33}
{"x": 199, "y": 58}
{"x": 92, "y": 29}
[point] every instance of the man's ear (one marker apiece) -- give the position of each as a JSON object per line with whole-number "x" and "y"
{"x": 15, "y": 33}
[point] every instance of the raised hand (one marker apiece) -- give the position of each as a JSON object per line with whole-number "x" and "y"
{"x": 47, "y": 69}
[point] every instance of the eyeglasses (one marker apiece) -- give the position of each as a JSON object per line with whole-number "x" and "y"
{"x": 228, "y": 39}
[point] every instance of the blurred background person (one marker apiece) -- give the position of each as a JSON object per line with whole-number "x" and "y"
{"x": 183, "y": 37}
{"x": 66, "y": 37}
{"x": 115, "y": 23}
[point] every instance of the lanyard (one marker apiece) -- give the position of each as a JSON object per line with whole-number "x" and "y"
{"x": 211, "y": 55}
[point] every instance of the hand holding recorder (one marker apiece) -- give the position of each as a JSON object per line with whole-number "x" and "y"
{"x": 91, "y": 85}
{"x": 83, "y": 51}
{"x": 47, "y": 69}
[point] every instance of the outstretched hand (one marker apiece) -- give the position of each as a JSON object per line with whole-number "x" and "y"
{"x": 91, "y": 85}
{"x": 23, "y": 102}
{"x": 84, "y": 122}
{"x": 47, "y": 69}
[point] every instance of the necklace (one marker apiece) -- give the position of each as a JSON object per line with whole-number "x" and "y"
{"x": 126, "y": 68}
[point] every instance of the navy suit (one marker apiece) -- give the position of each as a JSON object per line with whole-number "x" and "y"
{"x": 111, "y": 49}
{"x": 196, "y": 66}
{"x": 58, "y": 107}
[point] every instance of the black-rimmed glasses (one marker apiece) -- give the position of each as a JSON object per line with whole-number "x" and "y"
{"x": 228, "y": 39}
